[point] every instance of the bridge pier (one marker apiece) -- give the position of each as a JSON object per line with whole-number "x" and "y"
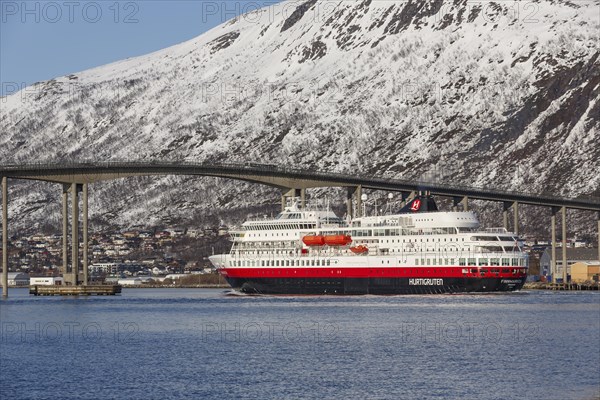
{"x": 455, "y": 203}
{"x": 358, "y": 195}
{"x": 505, "y": 208}
{"x": 72, "y": 275}
{"x": 563, "y": 211}
{"x": 75, "y": 233}
{"x": 294, "y": 193}
{"x": 464, "y": 201}
{"x": 349, "y": 198}
{"x": 516, "y": 217}
{"x": 553, "y": 260}
{"x": 65, "y": 230}
{"x": 354, "y": 194}
{"x": 85, "y": 234}
{"x": 4, "y": 236}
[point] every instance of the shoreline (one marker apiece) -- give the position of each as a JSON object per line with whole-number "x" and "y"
{"x": 201, "y": 286}
{"x": 575, "y": 287}
{"x": 527, "y": 286}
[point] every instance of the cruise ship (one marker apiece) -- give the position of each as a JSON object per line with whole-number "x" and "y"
{"x": 418, "y": 250}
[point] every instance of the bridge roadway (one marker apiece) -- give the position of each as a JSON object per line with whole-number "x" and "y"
{"x": 75, "y": 178}
{"x": 281, "y": 177}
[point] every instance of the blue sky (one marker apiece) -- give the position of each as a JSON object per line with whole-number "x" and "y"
{"x": 40, "y": 40}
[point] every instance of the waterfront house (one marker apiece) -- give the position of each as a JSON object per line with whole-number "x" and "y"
{"x": 130, "y": 281}
{"x": 574, "y": 254}
{"x": 46, "y": 280}
{"x": 585, "y": 271}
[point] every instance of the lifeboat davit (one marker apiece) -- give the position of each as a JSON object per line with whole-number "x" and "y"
{"x": 314, "y": 240}
{"x": 360, "y": 249}
{"x": 338, "y": 240}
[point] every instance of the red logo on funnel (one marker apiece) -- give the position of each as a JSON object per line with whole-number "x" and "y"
{"x": 416, "y": 205}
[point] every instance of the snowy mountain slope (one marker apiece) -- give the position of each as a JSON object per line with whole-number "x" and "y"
{"x": 500, "y": 94}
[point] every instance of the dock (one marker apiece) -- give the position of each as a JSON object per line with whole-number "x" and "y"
{"x": 79, "y": 290}
{"x": 562, "y": 286}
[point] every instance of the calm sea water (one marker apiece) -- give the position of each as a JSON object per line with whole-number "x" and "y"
{"x": 179, "y": 343}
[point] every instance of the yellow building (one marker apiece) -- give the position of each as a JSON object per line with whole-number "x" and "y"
{"x": 584, "y": 271}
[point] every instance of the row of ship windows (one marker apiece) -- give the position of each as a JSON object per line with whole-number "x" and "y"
{"x": 293, "y": 251}
{"x": 364, "y": 232}
{"x": 376, "y": 232}
{"x": 473, "y": 261}
{"x": 464, "y": 262}
{"x": 431, "y": 219}
{"x": 282, "y": 263}
{"x": 395, "y": 232}
{"x": 290, "y": 247}
{"x": 492, "y": 261}
{"x": 423, "y": 261}
{"x": 422, "y": 250}
{"x": 287, "y": 234}
{"x": 272, "y": 234}
{"x": 421, "y": 240}
{"x": 281, "y": 226}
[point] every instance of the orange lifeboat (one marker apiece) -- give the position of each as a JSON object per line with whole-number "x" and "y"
{"x": 338, "y": 240}
{"x": 314, "y": 240}
{"x": 360, "y": 249}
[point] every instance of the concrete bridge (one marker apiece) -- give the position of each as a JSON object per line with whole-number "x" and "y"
{"x": 293, "y": 182}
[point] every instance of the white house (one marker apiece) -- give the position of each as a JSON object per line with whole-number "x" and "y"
{"x": 46, "y": 280}
{"x": 130, "y": 281}
{"x": 175, "y": 276}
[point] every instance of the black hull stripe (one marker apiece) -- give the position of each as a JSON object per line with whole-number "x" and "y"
{"x": 378, "y": 286}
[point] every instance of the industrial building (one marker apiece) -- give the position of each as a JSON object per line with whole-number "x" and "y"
{"x": 585, "y": 271}
{"x": 574, "y": 255}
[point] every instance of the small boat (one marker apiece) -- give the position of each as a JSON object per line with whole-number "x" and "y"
{"x": 338, "y": 240}
{"x": 314, "y": 240}
{"x": 360, "y": 249}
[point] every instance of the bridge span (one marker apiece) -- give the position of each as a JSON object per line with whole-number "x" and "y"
{"x": 75, "y": 178}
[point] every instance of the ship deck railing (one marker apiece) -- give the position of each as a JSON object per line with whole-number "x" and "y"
{"x": 377, "y": 251}
{"x": 497, "y": 230}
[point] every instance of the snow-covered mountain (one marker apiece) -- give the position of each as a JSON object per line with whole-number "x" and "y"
{"x": 501, "y": 94}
